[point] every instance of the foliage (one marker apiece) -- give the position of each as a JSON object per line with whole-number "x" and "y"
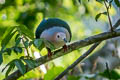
{"x": 117, "y": 2}
{"x": 73, "y": 77}
{"x": 98, "y": 15}
{"x": 19, "y": 18}
{"x": 23, "y": 35}
{"x": 113, "y": 74}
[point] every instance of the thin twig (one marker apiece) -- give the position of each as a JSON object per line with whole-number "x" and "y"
{"x": 107, "y": 67}
{"x": 110, "y": 22}
{"x": 25, "y": 47}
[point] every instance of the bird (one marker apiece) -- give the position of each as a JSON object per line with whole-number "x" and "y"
{"x": 56, "y": 31}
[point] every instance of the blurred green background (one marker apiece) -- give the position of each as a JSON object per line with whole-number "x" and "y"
{"x": 80, "y": 17}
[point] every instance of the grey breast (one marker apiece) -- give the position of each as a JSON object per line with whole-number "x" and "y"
{"x": 48, "y": 35}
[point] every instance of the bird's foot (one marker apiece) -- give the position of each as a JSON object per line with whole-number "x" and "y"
{"x": 65, "y": 48}
{"x": 49, "y": 52}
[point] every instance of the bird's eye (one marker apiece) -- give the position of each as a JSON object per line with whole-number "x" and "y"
{"x": 58, "y": 36}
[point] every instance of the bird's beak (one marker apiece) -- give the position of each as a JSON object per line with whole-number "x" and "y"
{"x": 65, "y": 40}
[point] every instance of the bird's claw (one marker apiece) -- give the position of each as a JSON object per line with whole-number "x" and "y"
{"x": 65, "y": 48}
{"x": 49, "y": 52}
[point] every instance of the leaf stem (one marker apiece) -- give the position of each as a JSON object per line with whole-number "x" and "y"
{"x": 25, "y": 47}
{"x": 108, "y": 70}
{"x": 110, "y": 22}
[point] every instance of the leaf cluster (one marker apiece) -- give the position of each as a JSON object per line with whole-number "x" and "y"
{"x": 110, "y": 2}
{"x": 20, "y": 64}
{"x": 23, "y": 39}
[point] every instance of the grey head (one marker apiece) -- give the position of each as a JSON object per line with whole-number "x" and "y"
{"x": 58, "y": 36}
{"x": 55, "y": 30}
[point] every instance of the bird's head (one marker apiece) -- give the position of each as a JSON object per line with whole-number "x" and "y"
{"x": 60, "y": 37}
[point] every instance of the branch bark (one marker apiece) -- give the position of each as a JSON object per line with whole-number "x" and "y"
{"x": 77, "y": 61}
{"x": 83, "y": 56}
{"x": 71, "y": 47}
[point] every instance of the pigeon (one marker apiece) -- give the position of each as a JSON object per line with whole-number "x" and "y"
{"x": 56, "y": 31}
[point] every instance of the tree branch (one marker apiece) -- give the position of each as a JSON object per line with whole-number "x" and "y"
{"x": 83, "y": 56}
{"x": 71, "y": 47}
{"x": 77, "y": 61}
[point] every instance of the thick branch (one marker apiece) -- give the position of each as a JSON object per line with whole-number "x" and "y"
{"x": 71, "y": 47}
{"x": 77, "y": 61}
{"x": 83, "y": 56}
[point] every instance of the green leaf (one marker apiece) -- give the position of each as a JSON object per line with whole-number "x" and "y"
{"x": 73, "y": 77}
{"x": 17, "y": 41}
{"x": 113, "y": 74}
{"x": 17, "y": 49}
{"x": 20, "y": 65}
{"x": 8, "y": 50}
{"x": 98, "y": 15}
{"x": 7, "y": 36}
{"x": 11, "y": 67}
{"x": 26, "y": 44}
{"x": 31, "y": 42}
{"x": 38, "y": 43}
{"x": 24, "y": 30}
{"x": 79, "y": 1}
{"x": 49, "y": 44}
{"x": 1, "y": 58}
{"x": 117, "y": 2}
{"x": 105, "y": 13}
{"x": 22, "y": 57}
{"x": 55, "y": 71}
{"x": 11, "y": 62}
{"x": 17, "y": 37}
{"x": 29, "y": 62}
{"x": 110, "y": 1}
